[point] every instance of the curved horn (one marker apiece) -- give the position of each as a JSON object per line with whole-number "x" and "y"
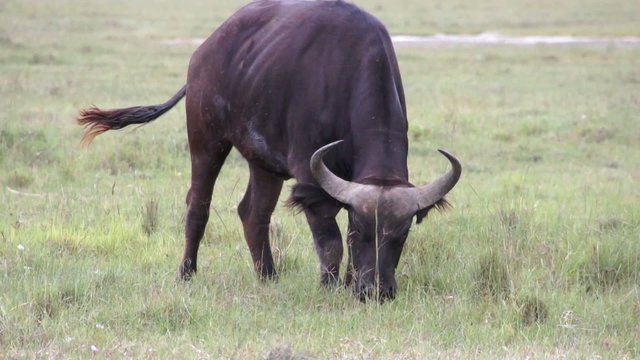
{"x": 428, "y": 195}
{"x": 344, "y": 191}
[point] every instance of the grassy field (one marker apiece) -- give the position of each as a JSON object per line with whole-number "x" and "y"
{"x": 539, "y": 258}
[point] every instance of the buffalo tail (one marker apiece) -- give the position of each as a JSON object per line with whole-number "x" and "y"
{"x": 97, "y": 121}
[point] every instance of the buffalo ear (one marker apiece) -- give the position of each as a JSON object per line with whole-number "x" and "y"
{"x": 311, "y": 197}
{"x": 440, "y": 205}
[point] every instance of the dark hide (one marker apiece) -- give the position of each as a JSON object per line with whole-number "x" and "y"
{"x": 278, "y": 80}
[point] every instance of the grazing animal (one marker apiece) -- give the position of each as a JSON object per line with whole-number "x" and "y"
{"x": 278, "y": 81}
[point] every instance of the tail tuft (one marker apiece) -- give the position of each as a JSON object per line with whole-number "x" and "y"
{"x": 97, "y": 121}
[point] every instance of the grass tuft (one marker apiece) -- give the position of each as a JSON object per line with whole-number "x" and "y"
{"x": 492, "y": 276}
{"x": 509, "y": 219}
{"x": 606, "y": 266}
{"x": 610, "y": 224}
{"x": 43, "y": 59}
{"x": 532, "y": 310}
{"x": 18, "y": 180}
{"x": 44, "y": 306}
{"x": 597, "y": 134}
{"x": 285, "y": 352}
{"x": 167, "y": 314}
{"x": 150, "y": 217}
{"x": 282, "y": 248}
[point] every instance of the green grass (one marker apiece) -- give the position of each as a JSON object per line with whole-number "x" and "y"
{"x": 539, "y": 257}
{"x": 589, "y": 17}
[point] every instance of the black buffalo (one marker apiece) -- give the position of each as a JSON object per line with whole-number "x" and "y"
{"x": 278, "y": 81}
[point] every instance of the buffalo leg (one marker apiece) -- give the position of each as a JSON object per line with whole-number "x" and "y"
{"x": 205, "y": 167}
{"x": 328, "y": 242}
{"x": 255, "y": 211}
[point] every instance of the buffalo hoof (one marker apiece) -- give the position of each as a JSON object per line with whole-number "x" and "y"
{"x": 266, "y": 273}
{"x": 186, "y": 270}
{"x": 330, "y": 279}
{"x": 368, "y": 293}
{"x": 269, "y": 277}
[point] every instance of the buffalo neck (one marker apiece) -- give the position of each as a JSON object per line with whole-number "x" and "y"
{"x": 378, "y": 115}
{"x": 380, "y": 154}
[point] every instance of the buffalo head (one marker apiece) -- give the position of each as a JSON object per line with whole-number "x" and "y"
{"x": 379, "y": 221}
